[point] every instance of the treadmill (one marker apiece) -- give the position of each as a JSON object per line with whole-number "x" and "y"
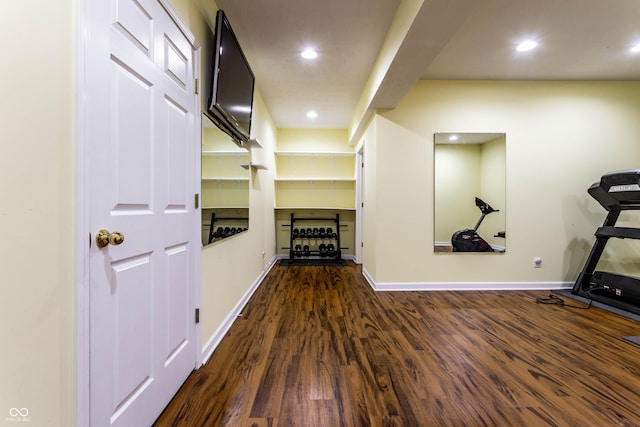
{"x": 616, "y": 192}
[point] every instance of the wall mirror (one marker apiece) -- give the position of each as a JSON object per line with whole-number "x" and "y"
{"x": 224, "y": 186}
{"x": 469, "y": 193}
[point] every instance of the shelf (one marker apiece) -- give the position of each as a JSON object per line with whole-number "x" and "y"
{"x": 225, "y": 207}
{"x": 253, "y": 143}
{"x": 327, "y": 208}
{"x": 242, "y": 153}
{"x": 314, "y": 154}
{"x": 253, "y": 165}
{"x": 307, "y": 179}
{"x": 240, "y": 178}
{"x": 315, "y": 180}
{"x": 328, "y": 193}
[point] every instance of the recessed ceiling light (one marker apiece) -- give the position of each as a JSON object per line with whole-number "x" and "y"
{"x": 309, "y": 53}
{"x": 527, "y": 45}
{"x": 453, "y": 138}
{"x": 312, "y": 115}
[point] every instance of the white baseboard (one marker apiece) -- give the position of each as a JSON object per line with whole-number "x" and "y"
{"x": 214, "y": 340}
{"x": 464, "y": 286}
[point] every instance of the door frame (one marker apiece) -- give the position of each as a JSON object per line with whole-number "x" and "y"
{"x": 359, "y": 252}
{"x": 81, "y": 233}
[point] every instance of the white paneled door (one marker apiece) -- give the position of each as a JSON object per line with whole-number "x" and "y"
{"x": 141, "y": 141}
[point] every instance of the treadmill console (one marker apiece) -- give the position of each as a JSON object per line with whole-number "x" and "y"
{"x": 618, "y": 190}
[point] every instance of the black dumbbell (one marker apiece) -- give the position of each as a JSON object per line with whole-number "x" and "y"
{"x": 298, "y": 251}
{"x": 316, "y": 233}
{"x": 296, "y": 233}
{"x": 330, "y": 233}
{"x": 331, "y": 250}
{"x": 323, "y": 233}
{"x": 323, "y": 250}
{"x": 306, "y": 250}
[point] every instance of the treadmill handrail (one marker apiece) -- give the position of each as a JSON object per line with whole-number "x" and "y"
{"x": 618, "y": 232}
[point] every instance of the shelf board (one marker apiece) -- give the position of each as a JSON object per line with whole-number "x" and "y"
{"x": 253, "y": 165}
{"x": 253, "y": 143}
{"x": 240, "y": 178}
{"x": 225, "y": 153}
{"x": 313, "y": 179}
{"x": 314, "y": 153}
{"x": 225, "y": 207}
{"x": 315, "y": 208}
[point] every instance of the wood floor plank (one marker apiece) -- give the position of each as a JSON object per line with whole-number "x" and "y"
{"x": 316, "y": 346}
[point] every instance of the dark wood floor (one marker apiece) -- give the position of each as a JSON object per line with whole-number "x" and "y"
{"x": 315, "y": 346}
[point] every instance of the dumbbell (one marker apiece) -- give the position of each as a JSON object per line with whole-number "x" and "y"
{"x": 219, "y": 232}
{"x": 330, "y": 234}
{"x": 331, "y": 250}
{"x": 306, "y": 250}
{"x": 323, "y": 233}
{"x": 309, "y": 233}
{"x": 298, "y": 251}
{"x": 296, "y": 233}
{"x": 316, "y": 233}
{"x": 323, "y": 250}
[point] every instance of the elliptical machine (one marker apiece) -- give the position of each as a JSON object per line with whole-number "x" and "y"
{"x": 468, "y": 240}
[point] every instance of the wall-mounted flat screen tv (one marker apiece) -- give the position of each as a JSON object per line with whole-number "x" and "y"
{"x": 231, "y": 100}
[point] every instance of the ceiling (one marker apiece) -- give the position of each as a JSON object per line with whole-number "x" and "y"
{"x": 373, "y": 51}
{"x": 466, "y": 138}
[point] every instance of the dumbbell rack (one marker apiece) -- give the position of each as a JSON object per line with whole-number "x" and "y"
{"x": 212, "y": 230}
{"x": 300, "y": 252}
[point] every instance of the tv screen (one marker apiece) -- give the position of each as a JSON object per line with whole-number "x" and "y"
{"x": 231, "y": 100}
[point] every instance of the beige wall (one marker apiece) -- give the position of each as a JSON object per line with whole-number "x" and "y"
{"x": 36, "y": 211}
{"x": 369, "y": 198}
{"x": 561, "y": 137}
{"x": 492, "y": 189}
{"x": 320, "y": 140}
{"x": 457, "y": 183}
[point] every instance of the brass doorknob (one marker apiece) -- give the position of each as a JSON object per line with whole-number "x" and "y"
{"x": 104, "y": 238}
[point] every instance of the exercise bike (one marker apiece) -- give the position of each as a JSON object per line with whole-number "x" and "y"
{"x": 468, "y": 240}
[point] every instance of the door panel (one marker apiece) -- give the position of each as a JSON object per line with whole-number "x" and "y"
{"x": 178, "y": 303}
{"x": 131, "y": 153}
{"x": 142, "y": 153}
{"x": 178, "y": 165}
{"x": 135, "y": 23}
{"x": 132, "y": 340}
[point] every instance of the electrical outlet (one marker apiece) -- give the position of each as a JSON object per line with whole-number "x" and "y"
{"x": 537, "y": 262}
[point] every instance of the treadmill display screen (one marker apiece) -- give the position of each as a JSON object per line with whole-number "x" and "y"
{"x": 621, "y": 188}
